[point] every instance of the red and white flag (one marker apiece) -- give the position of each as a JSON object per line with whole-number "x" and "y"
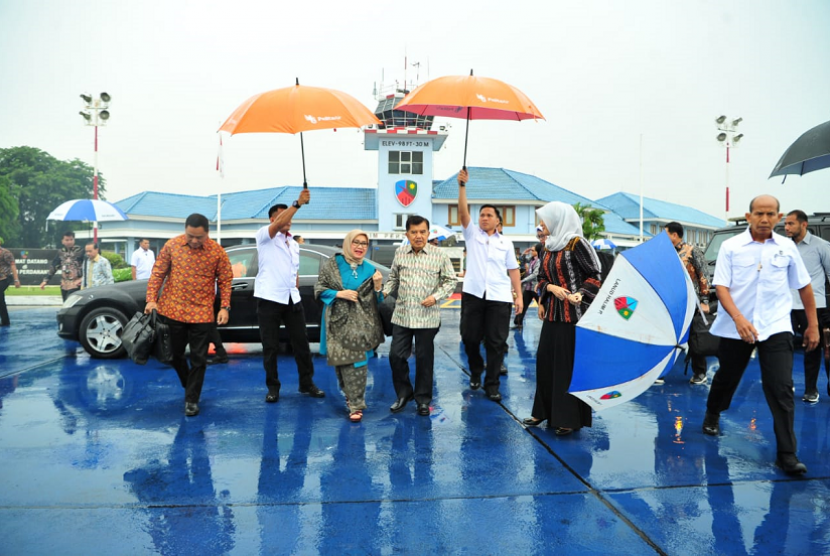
{"x": 220, "y": 160}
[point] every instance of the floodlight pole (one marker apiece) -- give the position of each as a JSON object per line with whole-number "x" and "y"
{"x": 97, "y": 115}
{"x": 728, "y": 138}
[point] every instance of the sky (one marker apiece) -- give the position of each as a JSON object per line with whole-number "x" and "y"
{"x": 629, "y": 89}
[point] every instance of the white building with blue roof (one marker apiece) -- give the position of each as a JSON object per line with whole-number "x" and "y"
{"x": 405, "y": 186}
{"x": 698, "y": 226}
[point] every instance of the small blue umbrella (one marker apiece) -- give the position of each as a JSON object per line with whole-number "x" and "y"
{"x": 603, "y": 244}
{"x": 87, "y": 210}
{"x": 635, "y": 328}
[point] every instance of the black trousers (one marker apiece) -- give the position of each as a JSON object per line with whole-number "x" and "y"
{"x": 527, "y": 297}
{"x": 812, "y": 359}
{"x": 216, "y": 340}
{"x": 67, "y": 293}
{"x": 488, "y": 321}
{"x": 775, "y": 355}
{"x": 191, "y": 376}
{"x": 270, "y": 314}
{"x": 4, "y": 311}
{"x": 424, "y": 361}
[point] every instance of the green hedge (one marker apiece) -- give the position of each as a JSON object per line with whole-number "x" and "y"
{"x": 122, "y": 274}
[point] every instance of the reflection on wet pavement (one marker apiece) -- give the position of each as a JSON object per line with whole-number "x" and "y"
{"x": 100, "y": 450}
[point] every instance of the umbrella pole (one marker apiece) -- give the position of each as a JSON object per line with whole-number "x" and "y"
{"x": 302, "y": 152}
{"x": 466, "y": 134}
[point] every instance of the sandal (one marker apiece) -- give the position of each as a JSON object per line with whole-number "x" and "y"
{"x": 356, "y": 416}
{"x": 532, "y": 422}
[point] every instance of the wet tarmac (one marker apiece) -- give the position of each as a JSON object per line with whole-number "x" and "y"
{"x": 98, "y": 458}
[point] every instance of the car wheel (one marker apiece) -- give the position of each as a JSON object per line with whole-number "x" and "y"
{"x": 100, "y": 333}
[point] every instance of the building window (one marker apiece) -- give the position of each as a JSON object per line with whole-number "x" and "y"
{"x": 400, "y": 221}
{"x": 508, "y": 215}
{"x": 452, "y": 215}
{"x": 406, "y": 162}
{"x": 653, "y": 229}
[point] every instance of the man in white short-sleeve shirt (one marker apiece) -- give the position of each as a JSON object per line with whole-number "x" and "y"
{"x": 278, "y": 299}
{"x": 490, "y": 283}
{"x": 142, "y": 261}
{"x": 753, "y": 277}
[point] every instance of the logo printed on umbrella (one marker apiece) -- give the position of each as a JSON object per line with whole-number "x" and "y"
{"x": 611, "y": 395}
{"x": 315, "y": 119}
{"x": 483, "y": 98}
{"x": 406, "y": 191}
{"x": 625, "y": 306}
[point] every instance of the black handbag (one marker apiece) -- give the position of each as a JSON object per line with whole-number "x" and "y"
{"x": 138, "y": 337}
{"x": 701, "y": 341}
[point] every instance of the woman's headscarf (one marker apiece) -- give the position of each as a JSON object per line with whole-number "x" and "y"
{"x": 562, "y": 222}
{"x": 347, "y": 248}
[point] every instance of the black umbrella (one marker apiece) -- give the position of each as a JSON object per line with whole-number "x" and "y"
{"x": 810, "y": 152}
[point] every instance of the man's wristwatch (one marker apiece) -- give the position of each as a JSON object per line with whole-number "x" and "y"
{"x": 228, "y": 309}
{"x": 296, "y": 204}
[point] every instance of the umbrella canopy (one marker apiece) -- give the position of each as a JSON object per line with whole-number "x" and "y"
{"x": 88, "y": 210}
{"x": 635, "y": 328}
{"x": 808, "y": 153}
{"x": 297, "y": 109}
{"x": 472, "y": 98}
{"x": 440, "y": 233}
{"x": 603, "y": 244}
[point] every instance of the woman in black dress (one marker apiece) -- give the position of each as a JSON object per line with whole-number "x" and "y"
{"x": 569, "y": 279}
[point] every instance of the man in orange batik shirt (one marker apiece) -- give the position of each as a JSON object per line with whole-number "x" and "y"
{"x": 193, "y": 265}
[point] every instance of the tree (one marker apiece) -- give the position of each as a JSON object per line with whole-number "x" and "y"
{"x": 9, "y": 226}
{"x": 593, "y": 222}
{"x": 39, "y": 183}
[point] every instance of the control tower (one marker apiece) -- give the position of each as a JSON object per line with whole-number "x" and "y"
{"x": 405, "y": 143}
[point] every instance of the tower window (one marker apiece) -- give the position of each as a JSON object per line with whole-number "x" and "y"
{"x": 406, "y": 162}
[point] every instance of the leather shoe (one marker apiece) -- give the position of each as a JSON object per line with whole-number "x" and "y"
{"x": 711, "y": 424}
{"x": 191, "y": 409}
{"x": 272, "y": 398}
{"x": 494, "y": 396}
{"x": 475, "y": 382}
{"x": 400, "y": 403}
{"x": 313, "y": 391}
{"x": 423, "y": 409}
{"x": 503, "y": 370}
{"x": 790, "y": 465}
{"x": 215, "y": 360}
{"x": 532, "y": 422}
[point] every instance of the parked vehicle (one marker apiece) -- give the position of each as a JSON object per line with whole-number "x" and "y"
{"x": 96, "y": 317}
{"x": 818, "y": 224}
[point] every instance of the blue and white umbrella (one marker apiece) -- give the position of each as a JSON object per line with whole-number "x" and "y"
{"x": 87, "y": 210}
{"x": 440, "y": 233}
{"x": 635, "y": 328}
{"x": 603, "y": 244}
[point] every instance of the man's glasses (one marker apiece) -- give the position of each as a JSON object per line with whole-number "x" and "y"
{"x": 360, "y": 243}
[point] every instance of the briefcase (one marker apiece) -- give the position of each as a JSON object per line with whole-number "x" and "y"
{"x": 138, "y": 337}
{"x": 163, "y": 346}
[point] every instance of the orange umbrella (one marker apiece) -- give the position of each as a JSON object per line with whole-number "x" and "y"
{"x": 470, "y": 97}
{"x": 297, "y": 109}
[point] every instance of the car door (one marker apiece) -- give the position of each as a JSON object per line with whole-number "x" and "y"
{"x": 243, "y": 317}
{"x": 309, "y": 269}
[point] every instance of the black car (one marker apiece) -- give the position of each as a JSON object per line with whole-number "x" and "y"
{"x": 818, "y": 224}
{"x": 96, "y": 317}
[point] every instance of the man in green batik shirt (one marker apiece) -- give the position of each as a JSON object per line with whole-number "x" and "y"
{"x": 423, "y": 275}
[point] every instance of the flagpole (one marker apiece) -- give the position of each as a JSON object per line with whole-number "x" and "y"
{"x": 220, "y": 168}
{"x": 641, "y": 188}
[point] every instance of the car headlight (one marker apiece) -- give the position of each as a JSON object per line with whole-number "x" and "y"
{"x": 71, "y": 300}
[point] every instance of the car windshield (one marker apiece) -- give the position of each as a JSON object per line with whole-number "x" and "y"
{"x": 711, "y": 254}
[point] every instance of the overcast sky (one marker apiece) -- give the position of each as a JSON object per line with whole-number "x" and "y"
{"x": 603, "y": 73}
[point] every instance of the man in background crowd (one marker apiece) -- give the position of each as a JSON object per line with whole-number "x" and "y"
{"x": 8, "y": 276}
{"x": 70, "y": 262}
{"x": 141, "y": 263}
{"x": 97, "y": 269}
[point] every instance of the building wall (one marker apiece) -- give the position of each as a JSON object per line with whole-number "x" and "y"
{"x": 391, "y": 209}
